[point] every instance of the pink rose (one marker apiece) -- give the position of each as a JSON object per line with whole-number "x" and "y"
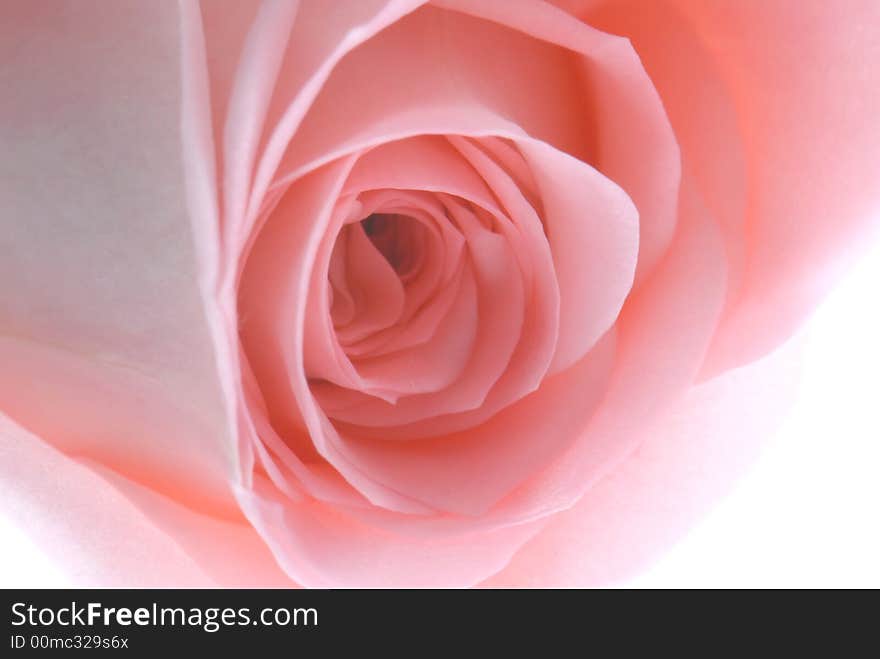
{"x": 394, "y": 290}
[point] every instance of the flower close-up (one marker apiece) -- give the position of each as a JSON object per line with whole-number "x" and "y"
{"x": 407, "y": 293}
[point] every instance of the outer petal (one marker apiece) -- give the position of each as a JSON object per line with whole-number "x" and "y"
{"x": 775, "y": 105}
{"x": 103, "y": 341}
{"x": 105, "y": 531}
{"x": 688, "y": 460}
{"x": 807, "y": 90}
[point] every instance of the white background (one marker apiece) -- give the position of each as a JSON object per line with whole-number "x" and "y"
{"x": 807, "y": 515}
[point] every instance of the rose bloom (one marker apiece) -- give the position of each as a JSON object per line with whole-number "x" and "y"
{"x": 405, "y": 293}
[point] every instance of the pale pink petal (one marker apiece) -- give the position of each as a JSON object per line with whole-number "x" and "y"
{"x": 807, "y": 90}
{"x": 470, "y": 471}
{"x": 106, "y": 531}
{"x": 663, "y": 334}
{"x": 686, "y": 462}
{"x": 326, "y": 548}
{"x": 430, "y": 296}
{"x": 431, "y": 290}
{"x": 105, "y": 350}
{"x": 592, "y": 229}
{"x": 376, "y": 288}
{"x": 434, "y": 364}
{"x": 322, "y": 35}
{"x": 776, "y": 111}
{"x": 259, "y": 63}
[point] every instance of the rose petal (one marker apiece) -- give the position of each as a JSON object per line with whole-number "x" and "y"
{"x": 322, "y": 35}
{"x": 326, "y": 548}
{"x": 105, "y": 349}
{"x": 257, "y": 69}
{"x": 686, "y": 462}
{"x": 86, "y": 518}
{"x": 663, "y": 334}
{"x": 775, "y": 109}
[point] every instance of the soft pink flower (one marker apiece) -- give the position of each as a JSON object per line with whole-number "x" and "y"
{"x": 410, "y": 293}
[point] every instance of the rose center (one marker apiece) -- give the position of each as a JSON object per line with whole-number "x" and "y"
{"x": 377, "y": 265}
{"x": 398, "y": 238}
